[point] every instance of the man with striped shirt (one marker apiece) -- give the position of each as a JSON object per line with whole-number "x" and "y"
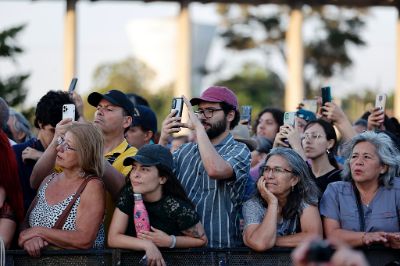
{"x": 213, "y": 170}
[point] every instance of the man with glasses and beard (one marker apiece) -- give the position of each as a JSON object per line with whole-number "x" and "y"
{"x": 213, "y": 171}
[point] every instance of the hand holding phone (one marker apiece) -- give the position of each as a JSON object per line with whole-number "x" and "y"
{"x": 68, "y": 111}
{"x": 177, "y": 106}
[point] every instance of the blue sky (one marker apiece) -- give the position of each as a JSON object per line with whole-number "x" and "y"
{"x": 102, "y": 37}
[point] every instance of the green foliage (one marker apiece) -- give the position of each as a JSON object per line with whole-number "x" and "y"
{"x": 257, "y": 87}
{"x": 326, "y": 53}
{"x": 130, "y": 76}
{"x": 12, "y": 88}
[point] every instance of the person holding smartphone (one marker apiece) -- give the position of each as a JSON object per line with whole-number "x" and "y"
{"x": 214, "y": 170}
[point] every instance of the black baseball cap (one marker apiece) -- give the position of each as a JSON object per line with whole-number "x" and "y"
{"x": 115, "y": 97}
{"x": 146, "y": 119}
{"x": 152, "y": 154}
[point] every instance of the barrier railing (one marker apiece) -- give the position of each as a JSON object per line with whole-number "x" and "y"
{"x": 196, "y": 257}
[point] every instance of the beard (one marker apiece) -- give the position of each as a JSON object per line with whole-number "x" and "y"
{"x": 216, "y": 129}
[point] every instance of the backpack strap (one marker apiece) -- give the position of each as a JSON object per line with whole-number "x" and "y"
{"x": 64, "y": 215}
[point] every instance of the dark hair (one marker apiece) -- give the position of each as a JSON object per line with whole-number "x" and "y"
{"x": 330, "y": 134}
{"x": 227, "y": 108}
{"x": 304, "y": 191}
{"x": 276, "y": 113}
{"x": 391, "y": 124}
{"x": 172, "y": 186}
{"x": 49, "y": 108}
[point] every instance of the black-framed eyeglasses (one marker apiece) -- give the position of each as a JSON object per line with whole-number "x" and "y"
{"x": 64, "y": 145}
{"x": 208, "y": 112}
{"x": 275, "y": 170}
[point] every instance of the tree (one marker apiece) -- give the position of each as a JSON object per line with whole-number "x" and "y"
{"x": 326, "y": 51}
{"x": 12, "y": 89}
{"x": 131, "y": 76}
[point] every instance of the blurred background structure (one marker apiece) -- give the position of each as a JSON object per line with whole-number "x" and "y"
{"x": 297, "y": 47}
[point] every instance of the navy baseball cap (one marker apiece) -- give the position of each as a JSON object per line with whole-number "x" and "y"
{"x": 115, "y": 97}
{"x": 146, "y": 119}
{"x": 152, "y": 154}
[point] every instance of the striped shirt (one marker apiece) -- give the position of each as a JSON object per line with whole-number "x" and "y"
{"x": 218, "y": 202}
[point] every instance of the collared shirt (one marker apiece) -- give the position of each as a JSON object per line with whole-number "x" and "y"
{"x": 218, "y": 202}
{"x": 381, "y": 214}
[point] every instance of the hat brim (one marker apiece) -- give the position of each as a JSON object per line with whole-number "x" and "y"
{"x": 196, "y": 101}
{"x": 94, "y": 98}
{"x": 251, "y": 144}
{"x": 140, "y": 159}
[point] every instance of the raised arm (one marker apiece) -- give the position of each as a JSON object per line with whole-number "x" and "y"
{"x": 339, "y": 119}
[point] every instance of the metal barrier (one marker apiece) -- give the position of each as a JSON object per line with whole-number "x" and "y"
{"x": 176, "y": 257}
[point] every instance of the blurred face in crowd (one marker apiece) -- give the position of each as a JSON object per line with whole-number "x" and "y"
{"x": 137, "y": 137}
{"x": 110, "y": 118}
{"x": 67, "y": 156}
{"x": 278, "y": 176}
{"x": 267, "y": 126}
{"x": 46, "y": 134}
{"x": 145, "y": 179}
{"x": 315, "y": 143}
{"x": 213, "y": 119}
{"x": 300, "y": 124}
{"x": 365, "y": 164}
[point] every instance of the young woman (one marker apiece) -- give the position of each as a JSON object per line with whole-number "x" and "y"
{"x": 174, "y": 221}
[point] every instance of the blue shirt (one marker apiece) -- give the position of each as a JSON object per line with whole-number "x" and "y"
{"x": 218, "y": 202}
{"x": 25, "y": 169}
{"x": 382, "y": 214}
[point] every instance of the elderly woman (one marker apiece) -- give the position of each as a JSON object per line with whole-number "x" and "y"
{"x": 285, "y": 210}
{"x": 76, "y": 193}
{"x": 364, "y": 210}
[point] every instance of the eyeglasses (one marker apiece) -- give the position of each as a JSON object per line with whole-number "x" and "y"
{"x": 208, "y": 113}
{"x": 275, "y": 170}
{"x": 312, "y": 136}
{"x": 64, "y": 145}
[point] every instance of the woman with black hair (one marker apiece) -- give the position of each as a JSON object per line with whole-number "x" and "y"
{"x": 173, "y": 219}
{"x": 319, "y": 143}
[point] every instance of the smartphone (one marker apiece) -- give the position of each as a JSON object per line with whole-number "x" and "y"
{"x": 72, "y": 85}
{"x": 246, "y": 113}
{"x": 326, "y": 95}
{"x": 320, "y": 251}
{"x": 177, "y": 104}
{"x": 289, "y": 118}
{"x": 68, "y": 111}
{"x": 310, "y": 105}
{"x": 380, "y": 101}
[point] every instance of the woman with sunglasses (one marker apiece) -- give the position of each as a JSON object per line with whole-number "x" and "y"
{"x": 285, "y": 210}
{"x": 75, "y": 193}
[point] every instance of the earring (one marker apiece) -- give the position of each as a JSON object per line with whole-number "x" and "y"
{"x": 327, "y": 151}
{"x": 82, "y": 174}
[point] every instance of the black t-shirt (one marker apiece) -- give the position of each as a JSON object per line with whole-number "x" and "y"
{"x": 323, "y": 181}
{"x": 170, "y": 215}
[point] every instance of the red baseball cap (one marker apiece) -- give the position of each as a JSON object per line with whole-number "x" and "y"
{"x": 216, "y": 94}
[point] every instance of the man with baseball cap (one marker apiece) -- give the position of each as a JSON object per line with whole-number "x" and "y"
{"x": 143, "y": 128}
{"x": 114, "y": 116}
{"x": 214, "y": 170}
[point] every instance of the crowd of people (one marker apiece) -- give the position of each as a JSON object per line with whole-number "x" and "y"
{"x": 225, "y": 185}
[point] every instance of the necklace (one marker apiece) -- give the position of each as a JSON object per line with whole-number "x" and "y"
{"x": 366, "y": 198}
